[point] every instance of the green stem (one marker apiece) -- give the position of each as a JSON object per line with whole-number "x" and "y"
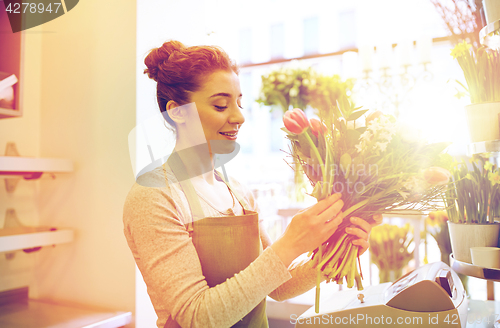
{"x": 317, "y": 155}
{"x": 318, "y": 281}
{"x": 366, "y": 201}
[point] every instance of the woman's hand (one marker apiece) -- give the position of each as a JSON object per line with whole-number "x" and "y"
{"x": 309, "y": 228}
{"x": 362, "y": 231}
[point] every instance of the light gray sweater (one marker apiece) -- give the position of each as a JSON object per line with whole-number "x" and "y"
{"x": 155, "y": 218}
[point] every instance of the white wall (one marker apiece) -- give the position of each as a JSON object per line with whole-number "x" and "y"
{"x": 79, "y": 103}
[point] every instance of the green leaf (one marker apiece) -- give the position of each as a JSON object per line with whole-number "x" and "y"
{"x": 322, "y": 146}
{"x": 336, "y": 112}
{"x": 312, "y": 136}
{"x": 316, "y": 193}
{"x": 352, "y": 137}
{"x": 361, "y": 129}
{"x": 357, "y": 114}
{"x": 304, "y": 145}
{"x": 345, "y": 163}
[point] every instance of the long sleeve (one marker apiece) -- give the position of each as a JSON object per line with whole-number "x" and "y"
{"x": 303, "y": 276}
{"x": 169, "y": 263}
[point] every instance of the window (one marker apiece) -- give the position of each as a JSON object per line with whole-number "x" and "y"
{"x": 277, "y": 41}
{"x": 245, "y": 45}
{"x": 311, "y": 36}
{"x": 347, "y": 29}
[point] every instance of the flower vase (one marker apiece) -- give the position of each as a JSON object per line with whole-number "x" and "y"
{"x": 483, "y": 121}
{"x": 466, "y": 235}
{"x": 389, "y": 275}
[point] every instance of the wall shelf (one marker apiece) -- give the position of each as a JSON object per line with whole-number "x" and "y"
{"x": 7, "y": 112}
{"x": 27, "y": 238}
{"x": 32, "y": 167}
{"x": 39, "y": 313}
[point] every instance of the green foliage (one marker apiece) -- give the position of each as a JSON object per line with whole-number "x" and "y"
{"x": 300, "y": 88}
{"x": 481, "y": 69}
{"x": 474, "y": 195}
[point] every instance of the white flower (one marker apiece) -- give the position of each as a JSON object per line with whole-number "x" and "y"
{"x": 294, "y": 92}
{"x": 366, "y": 136}
{"x": 414, "y": 184}
{"x": 382, "y": 146}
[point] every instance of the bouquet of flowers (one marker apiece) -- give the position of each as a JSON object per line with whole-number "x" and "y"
{"x": 389, "y": 249}
{"x": 375, "y": 167}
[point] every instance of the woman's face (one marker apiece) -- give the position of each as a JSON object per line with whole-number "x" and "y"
{"x": 219, "y": 107}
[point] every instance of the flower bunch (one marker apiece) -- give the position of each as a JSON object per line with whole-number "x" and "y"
{"x": 481, "y": 70}
{"x": 436, "y": 225}
{"x": 301, "y": 87}
{"x": 474, "y": 195}
{"x": 371, "y": 165}
{"x": 390, "y": 249}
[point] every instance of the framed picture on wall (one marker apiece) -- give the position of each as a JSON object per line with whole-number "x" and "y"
{"x": 11, "y": 53}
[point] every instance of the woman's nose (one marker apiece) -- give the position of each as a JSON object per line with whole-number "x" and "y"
{"x": 237, "y": 116}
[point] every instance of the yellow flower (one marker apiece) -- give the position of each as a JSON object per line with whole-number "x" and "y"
{"x": 460, "y": 49}
{"x": 488, "y": 166}
{"x": 494, "y": 177}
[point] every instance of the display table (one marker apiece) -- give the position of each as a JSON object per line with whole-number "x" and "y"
{"x": 488, "y": 274}
{"x": 481, "y": 314}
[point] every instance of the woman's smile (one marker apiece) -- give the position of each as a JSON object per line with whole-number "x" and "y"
{"x": 231, "y": 135}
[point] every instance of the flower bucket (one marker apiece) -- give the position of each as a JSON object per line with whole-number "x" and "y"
{"x": 483, "y": 121}
{"x": 466, "y": 235}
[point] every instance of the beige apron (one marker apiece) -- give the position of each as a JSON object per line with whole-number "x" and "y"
{"x": 225, "y": 245}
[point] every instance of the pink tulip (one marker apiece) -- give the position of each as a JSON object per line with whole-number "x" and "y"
{"x": 317, "y": 127}
{"x": 437, "y": 176}
{"x": 438, "y": 216}
{"x": 372, "y": 116}
{"x": 295, "y": 121}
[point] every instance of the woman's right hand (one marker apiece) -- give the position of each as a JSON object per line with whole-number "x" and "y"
{"x": 309, "y": 229}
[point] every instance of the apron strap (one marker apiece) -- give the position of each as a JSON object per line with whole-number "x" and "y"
{"x": 179, "y": 170}
{"x": 241, "y": 200}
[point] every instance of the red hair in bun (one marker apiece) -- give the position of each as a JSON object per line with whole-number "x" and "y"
{"x": 180, "y": 70}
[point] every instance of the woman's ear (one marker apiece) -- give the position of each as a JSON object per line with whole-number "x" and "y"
{"x": 175, "y": 112}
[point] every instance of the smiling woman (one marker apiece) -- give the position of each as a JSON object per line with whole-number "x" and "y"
{"x": 196, "y": 238}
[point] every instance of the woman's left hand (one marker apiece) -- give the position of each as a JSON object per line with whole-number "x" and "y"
{"x": 361, "y": 229}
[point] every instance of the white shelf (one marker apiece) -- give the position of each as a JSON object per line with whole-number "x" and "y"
{"x": 12, "y": 240}
{"x": 40, "y": 313}
{"x": 18, "y": 165}
{"x": 490, "y": 35}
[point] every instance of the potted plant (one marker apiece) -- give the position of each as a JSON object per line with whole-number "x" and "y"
{"x": 481, "y": 69}
{"x": 473, "y": 203}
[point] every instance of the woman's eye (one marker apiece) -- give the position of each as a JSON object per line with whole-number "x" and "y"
{"x": 220, "y": 108}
